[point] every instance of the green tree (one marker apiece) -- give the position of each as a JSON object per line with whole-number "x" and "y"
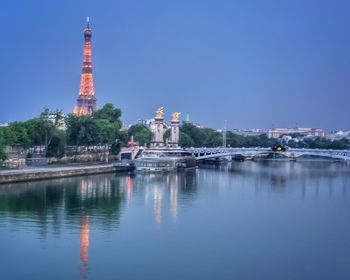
{"x": 167, "y": 134}
{"x": 81, "y": 130}
{"x": 3, "y": 155}
{"x": 102, "y": 127}
{"x": 110, "y": 113}
{"x": 48, "y": 123}
{"x": 212, "y": 138}
{"x": 36, "y": 131}
{"x": 57, "y": 144}
{"x": 141, "y": 134}
{"x": 263, "y": 141}
{"x": 45, "y": 130}
{"x": 108, "y": 123}
{"x": 196, "y": 134}
{"x": 318, "y": 143}
{"x": 234, "y": 140}
{"x": 122, "y": 138}
{"x": 341, "y": 144}
{"x": 185, "y": 140}
{"x": 16, "y": 134}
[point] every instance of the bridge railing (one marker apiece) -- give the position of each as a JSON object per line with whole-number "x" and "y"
{"x": 345, "y": 154}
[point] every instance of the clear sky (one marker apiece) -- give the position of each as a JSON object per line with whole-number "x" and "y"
{"x": 253, "y": 63}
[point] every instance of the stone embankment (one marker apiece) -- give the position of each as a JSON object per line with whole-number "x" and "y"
{"x": 30, "y": 174}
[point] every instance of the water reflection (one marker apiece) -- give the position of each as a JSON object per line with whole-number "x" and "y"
{"x": 66, "y": 201}
{"x": 82, "y": 206}
{"x": 82, "y": 203}
{"x": 165, "y": 190}
{"x": 158, "y": 196}
{"x": 174, "y": 198}
{"x": 304, "y": 177}
{"x": 84, "y": 246}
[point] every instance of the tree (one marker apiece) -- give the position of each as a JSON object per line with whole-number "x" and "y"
{"x": 195, "y": 133}
{"x": 110, "y": 113}
{"x": 141, "y": 134}
{"x": 107, "y": 122}
{"x": 235, "y": 140}
{"x": 122, "y": 138}
{"x": 45, "y": 130}
{"x": 263, "y": 141}
{"x": 212, "y": 138}
{"x": 102, "y": 127}
{"x": 57, "y": 145}
{"x": 81, "y": 130}
{"x": 341, "y": 144}
{"x": 185, "y": 140}
{"x": 36, "y": 131}
{"x": 167, "y": 134}
{"x": 3, "y": 155}
{"x": 48, "y": 123}
{"x": 16, "y": 133}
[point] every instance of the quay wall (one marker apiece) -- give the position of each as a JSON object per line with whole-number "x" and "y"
{"x": 10, "y": 176}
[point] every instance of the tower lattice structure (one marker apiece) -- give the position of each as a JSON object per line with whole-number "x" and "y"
{"x": 86, "y": 102}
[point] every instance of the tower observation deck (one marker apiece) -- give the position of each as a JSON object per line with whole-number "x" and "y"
{"x": 86, "y": 102}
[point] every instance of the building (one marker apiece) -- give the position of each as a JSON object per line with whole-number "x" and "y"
{"x": 249, "y": 132}
{"x": 318, "y": 132}
{"x": 58, "y": 120}
{"x": 304, "y": 131}
{"x": 86, "y": 102}
{"x": 337, "y": 135}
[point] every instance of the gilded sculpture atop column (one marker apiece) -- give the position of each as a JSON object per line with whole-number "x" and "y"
{"x": 176, "y": 116}
{"x": 160, "y": 113}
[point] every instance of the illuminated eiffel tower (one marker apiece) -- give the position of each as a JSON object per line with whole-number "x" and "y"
{"x": 86, "y": 102}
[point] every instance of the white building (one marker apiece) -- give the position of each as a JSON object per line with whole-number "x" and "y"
{"x": 305, "y": 131}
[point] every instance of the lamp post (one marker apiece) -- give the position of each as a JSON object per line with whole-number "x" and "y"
{"x": 224, "y": 133}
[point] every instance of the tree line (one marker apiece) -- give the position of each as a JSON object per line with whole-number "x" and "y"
{"x": 193, "y": 136}
{"x": 320, "y": 143}
{"x": 103, "y": 127}
{"x": 55, "y": 131}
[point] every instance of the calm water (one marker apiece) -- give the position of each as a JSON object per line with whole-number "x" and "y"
{"x": 273, "y": 220}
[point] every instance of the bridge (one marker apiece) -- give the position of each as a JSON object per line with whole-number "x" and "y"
{"x": 291, "y": 153}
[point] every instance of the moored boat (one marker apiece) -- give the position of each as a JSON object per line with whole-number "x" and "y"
{"x": 164, "y": 160}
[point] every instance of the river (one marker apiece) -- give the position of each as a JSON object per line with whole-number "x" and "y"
{"x": 248, "y": 220}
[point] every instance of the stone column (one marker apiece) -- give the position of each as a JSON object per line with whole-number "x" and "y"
{"x": 175, "y": 130}
{"x": 158, "y": 140}
{"x": 175, "y": 133}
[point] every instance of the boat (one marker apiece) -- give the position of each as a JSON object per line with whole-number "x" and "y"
{"x": 164, "y": 160}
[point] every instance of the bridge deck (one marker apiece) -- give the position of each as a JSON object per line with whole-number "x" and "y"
{"x": 207, "y": 153}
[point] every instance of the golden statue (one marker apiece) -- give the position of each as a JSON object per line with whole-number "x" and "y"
{"x": 176, "y": 117}
{"x": 160, "y": 113}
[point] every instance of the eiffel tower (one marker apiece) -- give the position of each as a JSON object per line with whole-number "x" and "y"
{"x": 86, "y": 102}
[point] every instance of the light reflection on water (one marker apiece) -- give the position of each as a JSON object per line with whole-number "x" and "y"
{"x": 87, "y": 218}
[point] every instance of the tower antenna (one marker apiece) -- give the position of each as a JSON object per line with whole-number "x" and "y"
{"x": 88, "y": 22}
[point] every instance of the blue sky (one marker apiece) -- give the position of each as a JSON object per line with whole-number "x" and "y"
{"x": 253, "y": 63}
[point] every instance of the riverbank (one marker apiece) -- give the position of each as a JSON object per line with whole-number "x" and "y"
{"x": 40, "y": 173}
